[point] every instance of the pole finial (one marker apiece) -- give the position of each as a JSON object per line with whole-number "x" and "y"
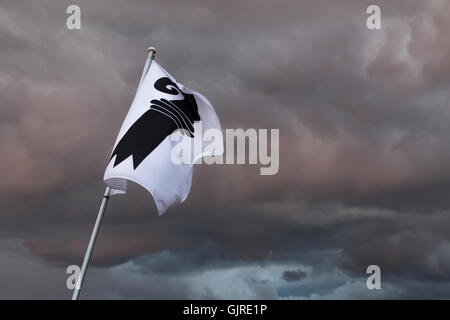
{"x": 151, "y": 50}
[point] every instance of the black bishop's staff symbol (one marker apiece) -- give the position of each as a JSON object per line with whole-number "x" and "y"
{"x": 161, "y": 120}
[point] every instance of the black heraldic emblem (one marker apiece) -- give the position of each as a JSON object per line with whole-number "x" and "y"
{"x": 161, "y": 120}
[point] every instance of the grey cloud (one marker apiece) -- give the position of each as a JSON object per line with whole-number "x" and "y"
{"x": 363, "y": 119}
{"x": 293, "y": 275}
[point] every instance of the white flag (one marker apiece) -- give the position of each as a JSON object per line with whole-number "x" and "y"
{"x": 162, "y": 110}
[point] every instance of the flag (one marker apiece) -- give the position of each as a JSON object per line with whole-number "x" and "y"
{"x": 163, "y": 115}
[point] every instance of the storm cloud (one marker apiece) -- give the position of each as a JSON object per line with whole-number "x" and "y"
{"x": 364, "y": 149}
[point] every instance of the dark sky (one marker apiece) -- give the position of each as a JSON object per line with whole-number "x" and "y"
{"x": 364, "y": 149}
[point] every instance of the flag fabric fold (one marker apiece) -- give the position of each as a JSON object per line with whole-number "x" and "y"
{"x": 162, "y": 110}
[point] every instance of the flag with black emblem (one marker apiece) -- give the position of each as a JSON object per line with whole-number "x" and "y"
{"x": 143, "y": 151}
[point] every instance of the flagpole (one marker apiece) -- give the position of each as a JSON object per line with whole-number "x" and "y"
{"x": 151, "y": 54}
{"x": 151, "y": 51}
{"x": 87, "y": 256}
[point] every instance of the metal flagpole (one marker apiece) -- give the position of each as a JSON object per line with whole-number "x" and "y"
{"x": 151, "y": 53}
